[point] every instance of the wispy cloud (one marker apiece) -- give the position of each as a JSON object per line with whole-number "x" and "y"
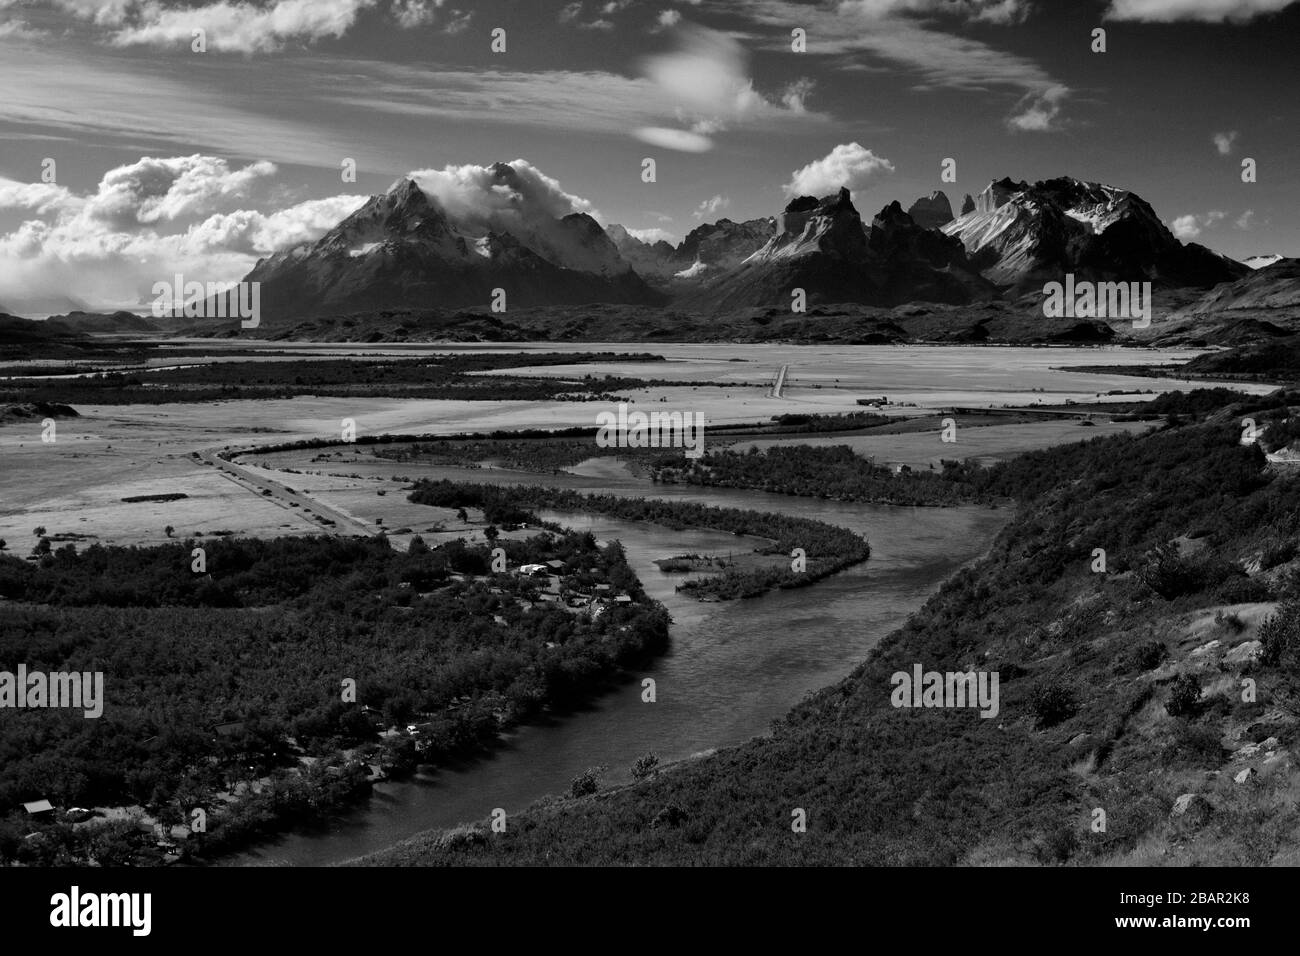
{"x": 1202, "y": 11}
{"x": 912, "y": 34}
{"x": 711, "y": 207}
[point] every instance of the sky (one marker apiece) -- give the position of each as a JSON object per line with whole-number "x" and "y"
{"x": 130, "y": 150}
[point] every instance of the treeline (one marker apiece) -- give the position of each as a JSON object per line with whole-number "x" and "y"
{"x": 827, "y": 548}
{"x": 456, "y": 376}
{"x": 795, "y": 423}
{"x": 464, "y": 657}
{"x": 826, "y": 472}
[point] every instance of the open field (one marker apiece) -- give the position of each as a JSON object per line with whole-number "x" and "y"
{"x": 75, "y": 485}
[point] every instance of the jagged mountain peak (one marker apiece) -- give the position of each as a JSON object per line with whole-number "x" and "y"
{"x": 932, "y": 211}
{"x": 1020, "y": 234}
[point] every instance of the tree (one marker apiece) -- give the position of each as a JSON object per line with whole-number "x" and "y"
{"x": 463, "y": 515}
{"x": 491, "y": 532}
{"x": 168, "y": 530}
{"x": 646, "y": 766}
{"x": 587, "y": 782}
{"x": 1184, "y": 695}
{"x": 40, "y": 530}
{"x": 3, "y": 544}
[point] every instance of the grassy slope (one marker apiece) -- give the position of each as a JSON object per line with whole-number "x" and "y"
{"x": 896, "y": 786}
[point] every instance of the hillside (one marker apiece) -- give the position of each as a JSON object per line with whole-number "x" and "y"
{"x": 1120, "y": 691}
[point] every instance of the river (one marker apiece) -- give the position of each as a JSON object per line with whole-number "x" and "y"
{"x": 731, "y": 669}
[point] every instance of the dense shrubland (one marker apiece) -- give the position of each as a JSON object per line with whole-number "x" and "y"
{"x": 264, "y": 639}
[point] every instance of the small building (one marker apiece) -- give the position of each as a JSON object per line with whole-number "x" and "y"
{"x": 622, "y": 599}
{"x": 38, "y": 807}
{"x": 229, "y": 729}
{"x": 532, "y": 569}
{"x": 555, "y": 565}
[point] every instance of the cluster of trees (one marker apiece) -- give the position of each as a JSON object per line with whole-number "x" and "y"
{"x": 824, "y": 472}
{"x": 299, "y": 616}
{"x": 826, "y": 547}
{"x": 795, "y": 422}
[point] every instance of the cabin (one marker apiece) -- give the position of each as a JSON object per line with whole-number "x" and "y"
{"x": 532, "y": 569}
{"x": 229, "y": 729}
{"x": 555, "y": 565}
{"x": 38, "y": 807}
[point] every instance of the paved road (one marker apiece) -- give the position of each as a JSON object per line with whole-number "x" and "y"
{"x": 308, "y": 506}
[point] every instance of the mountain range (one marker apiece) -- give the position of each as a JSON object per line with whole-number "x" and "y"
{"x": 403, "y": 251}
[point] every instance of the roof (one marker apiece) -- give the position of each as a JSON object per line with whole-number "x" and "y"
{"x": 233, "y": 727}
{"x": 555, "y": 564}
{"x": 38, "y": 806}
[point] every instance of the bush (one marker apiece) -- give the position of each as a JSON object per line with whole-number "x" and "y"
{"x": 587, "y": 782}
{"x": 1147, "y": 655}
{"x": 1184, "y": 696}
{"x": 1278, "y": 634}
{"x": 646, "y": 766}
{"x": 1051, "y": 703}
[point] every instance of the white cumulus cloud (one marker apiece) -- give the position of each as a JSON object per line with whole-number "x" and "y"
{"x": 848, "y": 165}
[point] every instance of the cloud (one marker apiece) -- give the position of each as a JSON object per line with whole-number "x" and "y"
{"x": 711, "y": 207}
{"x": 20, "y": 30}
{"x": 1202, "y": 11}
{"x": 40, "y": 198}
{"x": 1191, "y": 225}
{"x": 796, "y": 93}
{"x": 667, "y": 18}
{"x": 908, "y": 33}
{"x": 848, "y": 165}
{"x": 415, "y": 13}
{"x": 684, "y": 141}
{"x": 706, "y": 78}
{"x": 501, "y": 195}
{"x": 240, "y": 27}
{"x": 165, "y": 190}
{"x": 145, "y": 221}
{"x": 572, "y": 13}
{"x": 654, "y": 235}
{"x": 1039, "y": 112}
{"x": 1243, "y": 221}
{"x": 1224, "y": 142}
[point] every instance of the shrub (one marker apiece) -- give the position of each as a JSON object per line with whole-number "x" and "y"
{"x": 1051, "y": 703}
{"x": 1278, "y": 634}
{"x": 1184, "y": 696}
{"x": 1147, "y": 655}
{"x": 646, "y": 766}
{"x": 587, "y": 782}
